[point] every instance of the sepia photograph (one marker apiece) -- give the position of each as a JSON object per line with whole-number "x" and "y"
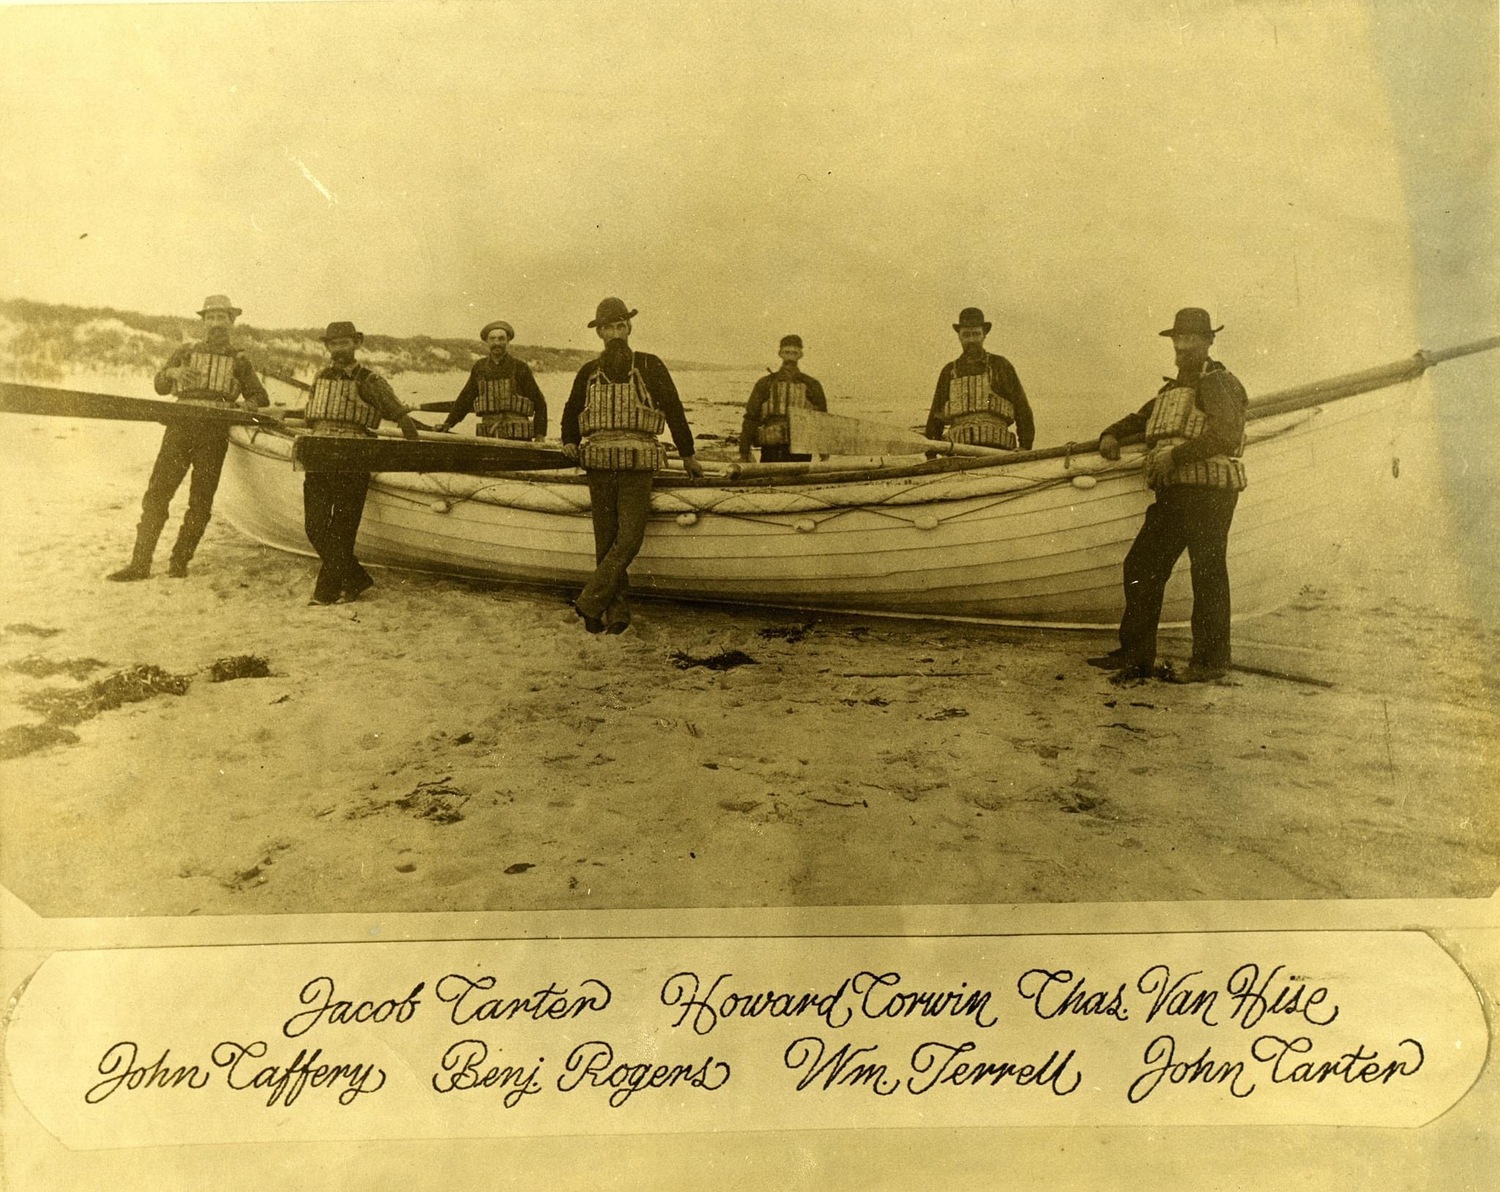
{"x": 506, "y": 457}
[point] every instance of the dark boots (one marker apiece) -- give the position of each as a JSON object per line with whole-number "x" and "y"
{"x": 139, "y": 567}
{"x": 188, "y": 538}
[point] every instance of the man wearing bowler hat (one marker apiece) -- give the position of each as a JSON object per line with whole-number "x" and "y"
{"x": 767, "y": 423}
{"x": 502, "y": 391}
{"x": 618, "y": 406}
{"x": 1195, "y": 432}
{"x": 979, "y": 399}
{"x": 348, "y": 400}
{"x": 212, "y": 371}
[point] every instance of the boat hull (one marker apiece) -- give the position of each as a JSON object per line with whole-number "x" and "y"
{"x": 1028, "y": 543}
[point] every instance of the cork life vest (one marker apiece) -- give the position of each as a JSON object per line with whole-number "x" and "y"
{"x": 219, "y": 384}
{"x": 781, "y": 398}
{"x": 976, "y": 413}
{"x": 503, "y": 412}
{"x": 1176, "y": 418}
{"x": 619, "y": 424}
{"x": 336, "y": 407}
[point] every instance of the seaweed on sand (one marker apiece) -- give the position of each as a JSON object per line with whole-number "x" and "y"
{"x": 239, "y": 666}
{"x": 61, "y": 706}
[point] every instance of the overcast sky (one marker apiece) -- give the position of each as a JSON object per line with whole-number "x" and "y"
{"x": 855, "y": 172}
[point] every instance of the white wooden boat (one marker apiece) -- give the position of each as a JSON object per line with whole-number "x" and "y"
{"x": 1039, "y": 540}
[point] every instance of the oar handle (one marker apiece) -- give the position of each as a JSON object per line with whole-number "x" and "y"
{"x": 1438, "y": 355}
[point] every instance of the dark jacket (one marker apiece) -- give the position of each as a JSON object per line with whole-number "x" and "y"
{"x": 1220, "y": 396}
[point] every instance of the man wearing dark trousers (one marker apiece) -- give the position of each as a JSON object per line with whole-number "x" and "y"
{"x": 1194, "y": 430}
{"x": 212, "y": 372}
{"x": 767, "y": 423}
{"x": 348, "y": 400}
{"x": 618, "y": 406}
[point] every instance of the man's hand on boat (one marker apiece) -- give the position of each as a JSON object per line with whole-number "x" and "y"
{"x": 1109, "y": 447}
{"x": 692, "y": 466}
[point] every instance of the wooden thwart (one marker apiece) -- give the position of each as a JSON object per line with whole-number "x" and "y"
{"x": 318, "y": 453}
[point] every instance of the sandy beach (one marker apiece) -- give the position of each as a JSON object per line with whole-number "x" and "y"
{"x": 448, "y": 745}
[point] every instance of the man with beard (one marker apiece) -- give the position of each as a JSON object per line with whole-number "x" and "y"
{"x": 348, "y": 400}
{"x": 767, "y": 423}
{"x": 979, "y": 399}
{"x": 619, "y": 404}
{"x": 502, "y": 391}
{"x": 1195, "y": 431}
{"x": 212, "y": 372}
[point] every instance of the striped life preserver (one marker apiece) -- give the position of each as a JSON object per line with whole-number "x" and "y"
{"x": 622, "y": 451}
{"x": 336, "y": 401}
{"x": 497, "y": 395}
{"x": 981, "y": 430}
{"x": 1176, "y": 416}
{"x": 976, "y": 414}
{"x": 619, "y": 405}
{"x": 781, "y": 398}
{"x": 620, "y": 425}
{"x": 504, "y": 426}
{"x": 1175, "y": 419}
{"x": 217, "y": 370}
{"x": 975, "y": 394}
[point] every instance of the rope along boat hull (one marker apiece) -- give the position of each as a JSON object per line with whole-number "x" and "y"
{"x": 1038, "y": 542}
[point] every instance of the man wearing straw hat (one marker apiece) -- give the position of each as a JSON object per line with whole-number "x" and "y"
{"x": 502, "y": 391}
{"x": 767, "y": 422}
{"x": 1195, "y": 431}
{"x": 348, "y": 400}
{"x": 212, "y": 371}
{"x": 619, "y": 404}
{"x": 979, "y": 400}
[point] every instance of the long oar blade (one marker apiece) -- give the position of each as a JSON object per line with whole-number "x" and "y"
{"x": 73, "y": 403}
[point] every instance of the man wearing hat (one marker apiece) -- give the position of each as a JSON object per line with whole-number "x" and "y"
{"x": 979, "y": 399}
{"x": 618, "y": 406}
{"x": 212, "y": 371}
{"x": 767, "y": 423}
{"x": 502, "y": 391}
{"x": 1195, "y": 431}
{"x": 348, "y": 400}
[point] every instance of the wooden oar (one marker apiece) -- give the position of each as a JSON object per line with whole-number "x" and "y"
{"x": 817, "y": 433}
{"x": 74, "y": 403}
{"x": 440, "y": 453}
{"x": 286, "y": 379}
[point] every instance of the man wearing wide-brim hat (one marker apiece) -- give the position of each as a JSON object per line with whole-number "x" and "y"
{"x": 348, "y": 400}
{"x": 1194, "y": 430}
{"x": 979, "y": 400}
{"x": 212, "y": 371}
{"x": 618, "y": 406}
{"x": 501, "y": 390}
